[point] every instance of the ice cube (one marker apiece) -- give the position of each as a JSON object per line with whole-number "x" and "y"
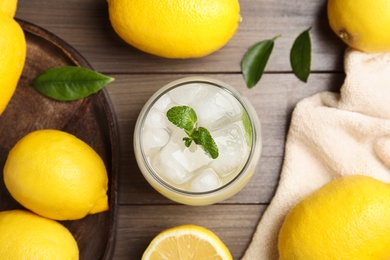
{"x": 206, "y": 181}
{"x": 191, "y": 158}
{"x": 176, "y": 162}
{"x": 166, "y": 164}
{"x": 195, "y": 158}
{"x": 215, "y": 108}
{"x": 153, "y": 139}
{"x": 163, "y": 103}
{"x": 184, "y": 95}
{"x": 155, "y": 118}
{"x": 233, "y": 149}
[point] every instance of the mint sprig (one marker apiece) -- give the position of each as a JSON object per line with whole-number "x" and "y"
{"x": 185, "y": 118}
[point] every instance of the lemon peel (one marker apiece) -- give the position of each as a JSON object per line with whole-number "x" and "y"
{"x": 12, "y": 52}
{"x": 175, "y": 28}
{"x": 348, "y": 218}
{"x": 361, "y": 24}
{"x": 25, "y": 235}
{"x": 56, "y": 175}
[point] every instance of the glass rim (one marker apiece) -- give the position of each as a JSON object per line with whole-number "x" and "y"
{"x": 178, "y": 83}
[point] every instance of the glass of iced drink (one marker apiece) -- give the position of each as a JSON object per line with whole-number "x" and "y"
{"x": 187, "y": 173}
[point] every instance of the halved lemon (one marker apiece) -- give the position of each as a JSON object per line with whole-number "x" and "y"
{"x": 187, "y": 242}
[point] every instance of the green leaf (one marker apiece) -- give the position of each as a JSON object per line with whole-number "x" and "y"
{"x": 203, "y": 137}
{"x": 187, "y": 141}
{"x": 300, "y": 56}
{"x": 183, "y": 117}
{"x": 255, "y": 60}
{"x": 248, "y": 127}
{"x": 70, "y": 83}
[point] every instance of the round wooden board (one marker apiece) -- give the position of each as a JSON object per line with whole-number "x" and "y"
{"x": 91, "y": 119}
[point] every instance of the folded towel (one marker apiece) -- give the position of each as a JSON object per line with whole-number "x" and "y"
{"x": 331, "y": 135}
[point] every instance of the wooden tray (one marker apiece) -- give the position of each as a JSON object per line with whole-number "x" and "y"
{"x": 91, "y": 119}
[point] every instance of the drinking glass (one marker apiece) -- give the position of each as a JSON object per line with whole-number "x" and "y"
{"x": 188, "y": 175}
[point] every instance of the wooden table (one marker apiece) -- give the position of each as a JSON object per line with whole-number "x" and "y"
{"x": 143, "y": 212}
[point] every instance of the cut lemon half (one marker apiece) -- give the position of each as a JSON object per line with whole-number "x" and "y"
{"x": 187, "y": 242}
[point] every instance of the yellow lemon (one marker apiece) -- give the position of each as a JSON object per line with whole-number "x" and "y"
{"x": 56, "y": 175}
{"x": 346, "y": 219}
{"x": 175, "y": 28}
{"x": 8, "y": 7}
{"x": 12, "y": 52}
{"x": 186, "y": 242}
{"x": 25, "y": 235}
{"x": 362, "y": 24}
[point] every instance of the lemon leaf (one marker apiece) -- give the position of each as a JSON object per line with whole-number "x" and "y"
{"x": 300, "y": 56}
{"x": 255, "y": 60}
{"x": 70, "y": 83}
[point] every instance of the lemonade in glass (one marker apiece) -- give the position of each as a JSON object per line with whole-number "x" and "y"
{"x": 197, "y": 141}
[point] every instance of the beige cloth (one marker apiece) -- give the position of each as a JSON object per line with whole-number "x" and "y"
{"x": 332, "y": 135}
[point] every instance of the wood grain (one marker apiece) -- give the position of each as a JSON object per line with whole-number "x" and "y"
{"x": 138, "y": 230}
{"x": 85, "y": 25}
{"x": 143, "y": 213}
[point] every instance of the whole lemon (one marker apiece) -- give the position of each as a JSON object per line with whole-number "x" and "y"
{"x": 348, "y": 218}
{"x": 56, "y": 175}
{"x": 8, "y": 7}
{"x": 361, "y": 24}
{"x": 175, "y": 28}
{"x": 12, "y": 52}
{"x": 25, "y": 235}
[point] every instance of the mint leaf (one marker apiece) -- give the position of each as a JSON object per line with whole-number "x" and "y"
{"x": 202, "y": 137}
{"x": 185, "y": 118}
{"x": 300, "y": 56}
{"x": 69, "y": 83}
{"x": 187, "y": 141}
{"x": 255, "y": 60}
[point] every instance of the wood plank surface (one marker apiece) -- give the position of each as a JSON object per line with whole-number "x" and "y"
{"x": 139, "y": 224}
{"x": 85, "y": 25}
{"x": 143, "y": 212}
